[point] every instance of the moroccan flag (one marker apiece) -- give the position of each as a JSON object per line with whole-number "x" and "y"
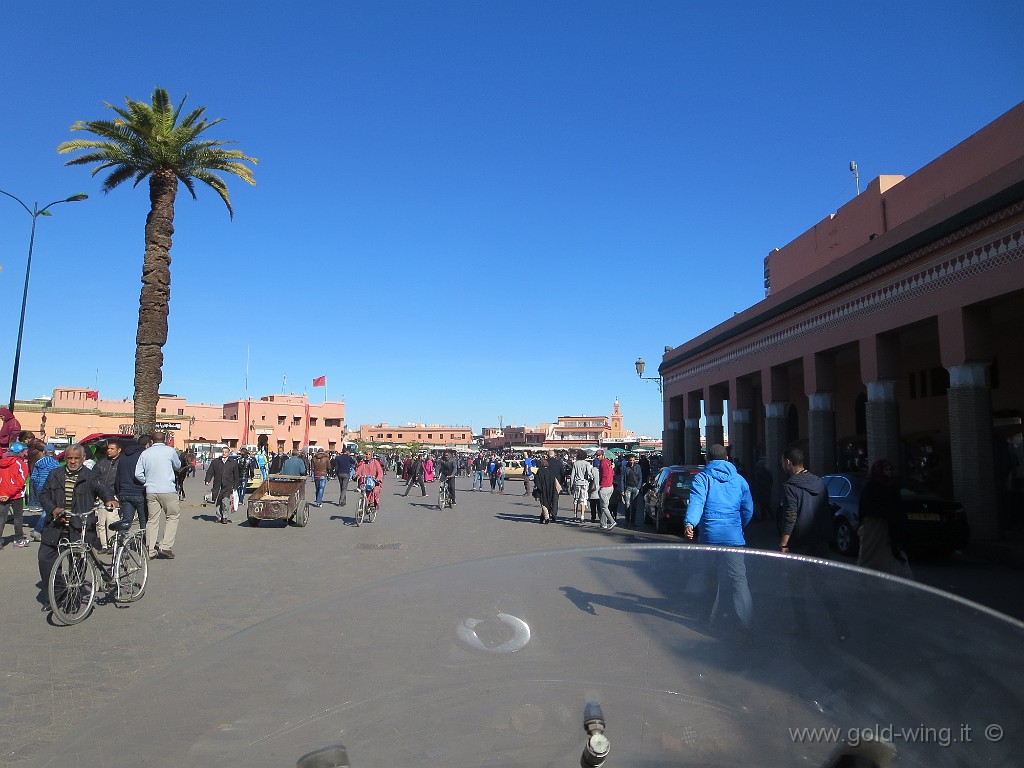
{"x": 92, "y": 394}
{"x": 320, "y": 381}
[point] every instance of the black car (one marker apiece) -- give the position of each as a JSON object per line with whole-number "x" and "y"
{"x": 932, "y": 525}
{"x": 669, "y": 495}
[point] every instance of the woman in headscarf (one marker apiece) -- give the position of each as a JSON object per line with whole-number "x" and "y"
{"x": 881, "y": 520}
{"x": 546, "y": 488}
{"x": 428, "y": 469}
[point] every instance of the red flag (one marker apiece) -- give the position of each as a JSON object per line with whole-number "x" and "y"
{"x": 320, "y": 381}
{"x": 92, "y": 394}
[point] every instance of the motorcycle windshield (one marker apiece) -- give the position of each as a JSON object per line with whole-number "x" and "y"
{"x": 697, "y": 656}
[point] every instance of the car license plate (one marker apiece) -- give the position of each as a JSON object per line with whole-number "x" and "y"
{"x": 930, "y": 517}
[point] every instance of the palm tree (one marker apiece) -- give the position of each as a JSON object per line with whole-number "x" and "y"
{"x": 154, "y": 140}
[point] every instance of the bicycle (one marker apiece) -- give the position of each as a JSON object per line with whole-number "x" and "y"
{"x": 444, "y": 495}
{"x": 364, "y": 510}
{"x": 72, "y": 585}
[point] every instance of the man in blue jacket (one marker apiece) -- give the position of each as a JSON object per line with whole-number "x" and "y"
{"x": 720, "y": 502}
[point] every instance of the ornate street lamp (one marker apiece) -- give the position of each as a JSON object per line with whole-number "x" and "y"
{"x": 640, "y": 372}
{"x": 35, "y": 212}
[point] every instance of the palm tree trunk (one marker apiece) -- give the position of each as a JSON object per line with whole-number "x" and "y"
{"x": 154, "y": 300}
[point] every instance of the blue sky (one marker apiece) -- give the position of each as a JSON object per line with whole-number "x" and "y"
{"x": 465, "y": 211}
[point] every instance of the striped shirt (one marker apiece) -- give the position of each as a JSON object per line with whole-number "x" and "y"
{"x": 69, "y": 489}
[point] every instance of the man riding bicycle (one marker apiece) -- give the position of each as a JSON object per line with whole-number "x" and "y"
{"x": 369, "y": 467}
{"x": 446, "y": 469}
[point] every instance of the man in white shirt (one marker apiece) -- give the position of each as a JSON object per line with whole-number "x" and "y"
{"x": 156, "y": 468}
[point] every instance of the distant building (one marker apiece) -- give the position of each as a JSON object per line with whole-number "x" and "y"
{"x": 428, "y": 435}
{"x": 567, "y": 432}
{"x": 287, "y": 421}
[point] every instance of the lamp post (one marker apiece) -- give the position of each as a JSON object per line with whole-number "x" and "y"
{"x": 35, "y": 212}
{"x": 640, "y": 372}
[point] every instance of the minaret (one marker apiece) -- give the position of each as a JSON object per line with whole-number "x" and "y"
{"x": 617, "y": 430}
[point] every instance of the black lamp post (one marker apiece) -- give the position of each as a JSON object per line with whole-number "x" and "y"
{"x": 35, "y": 212}
{"x": 640, "y": 372}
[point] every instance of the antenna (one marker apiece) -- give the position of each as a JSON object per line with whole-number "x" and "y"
{"x": 856, "y": 175}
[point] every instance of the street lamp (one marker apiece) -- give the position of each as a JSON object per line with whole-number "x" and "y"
{"x": 35, "y": 212}
{"x": 640, "y": 372}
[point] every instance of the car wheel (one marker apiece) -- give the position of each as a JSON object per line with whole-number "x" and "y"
{"x": 846, "y": 538}
{"x": 660, "y": 526}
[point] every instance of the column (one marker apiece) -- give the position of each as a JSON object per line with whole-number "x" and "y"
{"x": 819, "y": 386}
{"x": 775, "y": 446}
{"x": 741, "y": 426}
{"x": 883, "y": 422}
{"x": 821, "y": 429}
{"x": 691, "y": 441}
{"x": 714, "y": 410}
{"x": 775, "y": 393}
{"x": 966, "y": 351}
{"x": 673, "y": 437}
{"x": 970, "y": 430}
{"x": 691, "y": 428}
{"x": 880, "y": 367}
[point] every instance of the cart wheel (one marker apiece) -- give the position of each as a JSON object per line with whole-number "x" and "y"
{"x": 301, "y": 518}
{"x": 254, "y": 522}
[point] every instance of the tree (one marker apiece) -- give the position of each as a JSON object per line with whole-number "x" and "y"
{"x": 154, "y": 140}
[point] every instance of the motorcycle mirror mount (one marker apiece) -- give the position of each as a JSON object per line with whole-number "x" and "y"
{"x": 596, "y": 750}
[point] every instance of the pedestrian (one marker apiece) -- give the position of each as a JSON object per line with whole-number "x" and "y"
{"x": 556, "y": 466}
{"x": 580, "y": 479}
{"x": 343, "y": 466}
{"x": 156, "y": 468}
{"x": 70, "y": 488}
{"x": 499, "y": 474}
{"x": 224, "y": 473}
{"x": 38, "y": 476}
{"x": 106, "y": 472}
{"x": 428, "y": 468}
{"x": 13, "y": 479}
{"x": 546, "y": 489}
{"x": 128, "y": 489}
{"x": 806, "y": 514}
{"x": 415, "y": 476}
{"x": 479, "y": 470}
{"x": 632, "y": 481}
{"x": 605, "y": 483}
{"x": 881, "y": 523}
{"x": 527, "y": 474}
{"x": 9, "y": 431}
{"x": 246, "y": 472}
{"x": 294, "y": 466}
{"x": 321, "y": 464}
{"x": 721, "y": 504}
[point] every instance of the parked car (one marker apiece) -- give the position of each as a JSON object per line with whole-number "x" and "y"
{"x": 666, "y": 501}
{"x": 932, "y": 525}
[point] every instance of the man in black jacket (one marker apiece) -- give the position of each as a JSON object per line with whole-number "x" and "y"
{"x": 130, "y": 492}
{"x": 70, "y": 488}
{"x": 416, "y": 476}
{"x": 224, "y": 472}
{"x": 806, "y": 513}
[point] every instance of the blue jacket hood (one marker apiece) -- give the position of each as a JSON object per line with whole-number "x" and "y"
{"x": 721, "y": 470}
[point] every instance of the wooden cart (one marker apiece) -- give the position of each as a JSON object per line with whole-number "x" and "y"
{"x": 280, "y": 497}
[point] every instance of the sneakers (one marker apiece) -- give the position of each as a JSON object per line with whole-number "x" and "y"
{"x": 165, "y": 554}
{"x": 609, "y": 527}
{"x": 35, "y": 536}
{"x": 21, "y": 543}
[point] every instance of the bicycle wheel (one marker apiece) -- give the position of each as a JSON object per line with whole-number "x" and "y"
{"x": 72, "y": 586}
{"x": 361, "y": 509}
{"x": 131, "y": 569}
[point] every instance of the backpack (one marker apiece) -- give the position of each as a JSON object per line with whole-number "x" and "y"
{"x": 371, "y": 483}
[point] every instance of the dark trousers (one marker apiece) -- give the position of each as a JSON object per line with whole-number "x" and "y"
{"x": 412, "y": 482}
{"x": 129, "y": 505}
{"x": 343, "y": 482}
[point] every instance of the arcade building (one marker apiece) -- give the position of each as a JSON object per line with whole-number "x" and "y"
{"x": 890, "y": 329}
